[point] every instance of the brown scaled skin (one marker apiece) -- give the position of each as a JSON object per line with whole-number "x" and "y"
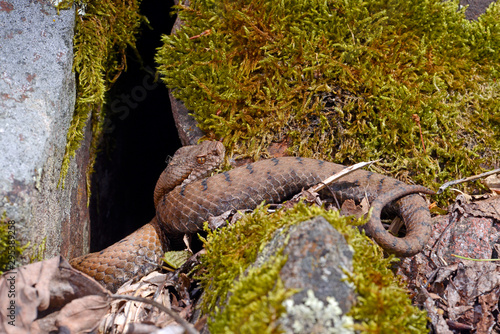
{"x": 140, "y": 253}
{"x": 187, "y": 206}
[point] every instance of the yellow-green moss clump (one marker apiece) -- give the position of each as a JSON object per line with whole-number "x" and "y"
{"x": 10, "y": 248}
{"x": 254, "y": 303}
{"x": 258, "y": 71}
{"x": 102, "y": 35}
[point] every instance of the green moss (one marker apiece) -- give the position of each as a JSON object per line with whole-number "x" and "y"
{"x": 384, "y": 305}
{"x": 10, "y": 248}
{"x": 38, "y": 252}
{"x": 101, "y": 38}
{"x": 255, "y": 302}
{"x": 256, "y": 71}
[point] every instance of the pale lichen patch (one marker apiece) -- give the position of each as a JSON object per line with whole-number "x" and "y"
{"x": 313, "y": 316}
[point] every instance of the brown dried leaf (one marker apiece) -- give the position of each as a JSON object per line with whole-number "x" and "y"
{"x": 396, "y": 224}
{"x": 470, "y": 288}
{"x": 42, "y": 289}
{"x": 493, "y": 183}
{"x": 365, "y": 205}
{"x": 127, "y": 316}
{"x": 82, "y": 315}
{"x": 220, "y": 220}
{"x": 489, "y": 304}
{"x": 183, "y": 285}
{"x": 349, "y": 208}
{"x": 444, "y": 273}
{"x": 201, "y": 322}
{"x": 435, "y": 296}
{"x": 435, "y": 316}
{"x": 150, "y": 282}
{"x": 278, "y": 150}
{"x": 307, "y": 196}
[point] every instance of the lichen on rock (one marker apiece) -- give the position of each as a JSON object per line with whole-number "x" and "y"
{"x": 323, "y": 318}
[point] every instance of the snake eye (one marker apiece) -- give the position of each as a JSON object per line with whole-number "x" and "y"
{"x": 201, "y": 160}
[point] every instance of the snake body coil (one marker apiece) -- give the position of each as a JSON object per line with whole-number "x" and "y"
{"x": 184, "y": 209}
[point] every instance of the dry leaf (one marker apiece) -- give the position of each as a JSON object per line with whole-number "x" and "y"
{"x": 469, "y": 290}
{"x": 33, "y": 295}
{"x": 493, "y": 183}
{"x": 82, "y": 315}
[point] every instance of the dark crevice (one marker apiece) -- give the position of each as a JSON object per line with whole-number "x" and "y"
{"x": 139, "y": 134}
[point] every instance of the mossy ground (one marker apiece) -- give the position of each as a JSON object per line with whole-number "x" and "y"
{"x": 251, "y": 302}
{"x": 257, "y": 71}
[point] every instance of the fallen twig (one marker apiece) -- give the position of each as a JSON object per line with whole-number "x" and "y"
{"x": 479, "y": 260}
{"x": 204, "y": 33}
{"x": 467, "y": 179}
{"x": 340, "y": 174}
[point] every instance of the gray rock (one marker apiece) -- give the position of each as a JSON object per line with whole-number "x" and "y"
{"x": 475, "y": 7}
{"x": 37, "y": 97}
{"x": 317, "y": 257}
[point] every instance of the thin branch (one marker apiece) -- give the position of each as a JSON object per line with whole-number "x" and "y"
{"x": 187, "y": 326}
{"x": 340, "y": 174}
{"x": 467, "y": 179}
{"x": 468, "y": 258}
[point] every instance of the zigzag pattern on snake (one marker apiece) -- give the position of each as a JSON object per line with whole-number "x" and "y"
{"x": 183, "y": 207}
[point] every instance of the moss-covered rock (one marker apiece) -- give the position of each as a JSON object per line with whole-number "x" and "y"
{"x": 252, "y": 299}
{"x": 411, "y": 82}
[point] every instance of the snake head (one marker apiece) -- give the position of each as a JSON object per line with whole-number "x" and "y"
{"x": 189, "y": 163}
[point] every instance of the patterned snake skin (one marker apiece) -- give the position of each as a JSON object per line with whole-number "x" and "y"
{"x": 182, "y": 207}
